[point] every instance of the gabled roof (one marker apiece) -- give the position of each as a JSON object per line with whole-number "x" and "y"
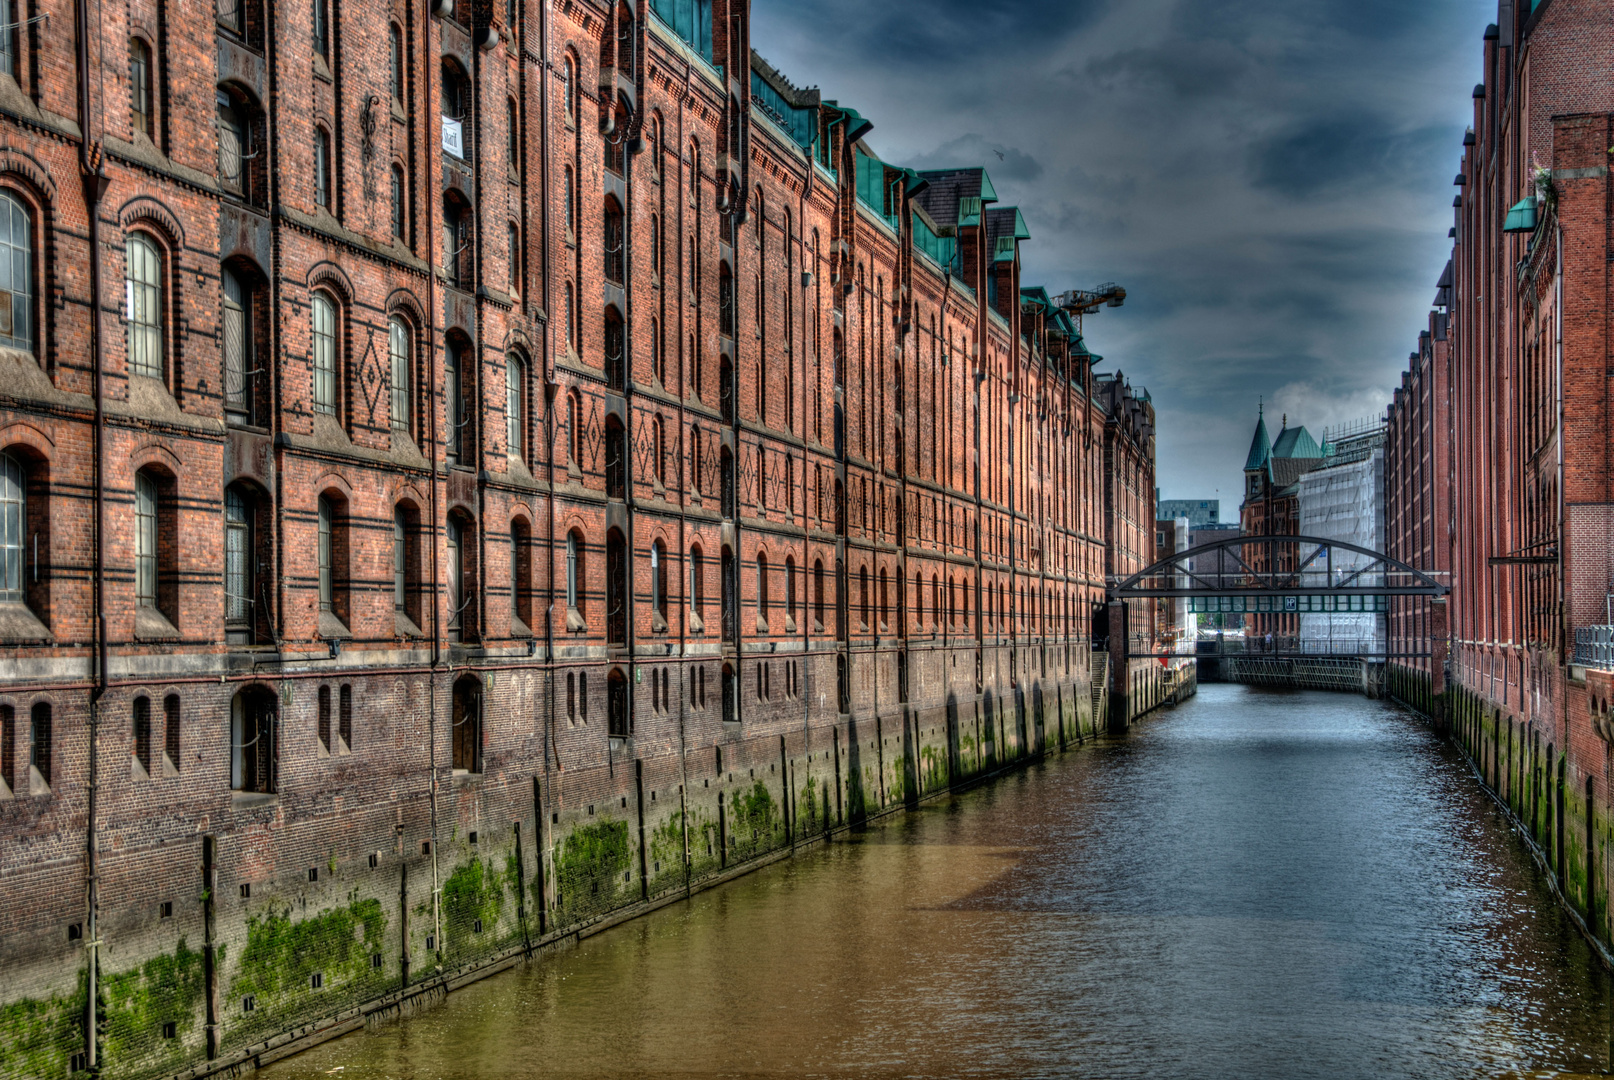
{"x": 1296, "y": 442}
{"x": 1004, "y": 224}
{"x": 1260, "y": 445}
{"x": 948, "y": 186}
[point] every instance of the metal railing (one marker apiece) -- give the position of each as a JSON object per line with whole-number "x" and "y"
{"x": 1594, "y": 646}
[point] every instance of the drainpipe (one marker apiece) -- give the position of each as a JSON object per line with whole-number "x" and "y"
{"x": 92, "y": 173}
{"x": 432, "y": 457}
{"x": 550, "y": 386}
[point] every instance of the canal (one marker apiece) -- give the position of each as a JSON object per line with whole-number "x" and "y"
{"x": 1260, "y": 883}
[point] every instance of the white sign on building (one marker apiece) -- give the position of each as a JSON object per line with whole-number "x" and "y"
{"x": 454, "y": 138}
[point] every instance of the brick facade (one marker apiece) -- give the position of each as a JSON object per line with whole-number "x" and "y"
{"x": 1499, "y": 464}
{"x": 537, "y": 478}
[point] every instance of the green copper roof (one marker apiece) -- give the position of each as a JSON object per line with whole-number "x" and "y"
{"x": 1260, "y": 446}
{"x": 1021, "y": 232}
{"x": 1522, "y": 218}
{"x": 1296, "y": 442}
{"x": 988, "y": 192}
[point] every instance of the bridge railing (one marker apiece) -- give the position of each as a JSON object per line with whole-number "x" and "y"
{"x": 1290, "y": 645}
{"x": 1594, "y": 646}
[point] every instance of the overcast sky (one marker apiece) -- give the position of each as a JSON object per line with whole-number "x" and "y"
{"x": 1271, "y": 180}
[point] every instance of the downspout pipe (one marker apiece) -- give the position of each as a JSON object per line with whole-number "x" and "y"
{"x": 92, "y": 172}
{"x": 432, "y": 456}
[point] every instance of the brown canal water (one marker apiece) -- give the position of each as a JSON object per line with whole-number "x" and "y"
{"x": 1258, "y": 884}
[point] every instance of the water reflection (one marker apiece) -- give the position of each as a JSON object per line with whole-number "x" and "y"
{"x": 1259, "y": 884}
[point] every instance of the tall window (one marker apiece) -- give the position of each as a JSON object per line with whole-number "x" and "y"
{"x": 616, "y": 351}
{"x": 574, "y": 570}
{"x": 661, "y": 450}
{"x": 324, "y": 317}
{"x": 400, "y": 561}
{"x": 454, "y": 401}
{"x": 515, "y": 381}
{"x": 399, "y": 351}
{"x": 8, "y": 37}
{"x": 574, "y": 429}
{"x": 322, "y": 169}
{"x": 239, "y": 376}
{"x": 655, "y": 246}
{"x": 514, "y": 240}
{"x": 140, "y": 99}
{"x": 697, "y": 580}
{"x": 239, "y": 583}
{"x": 322, "y": 29}
{"x": 614, "y": 242}
{"x": 657, "y": 361}
{"x": 141, "y": 733}
{"x": 513, "y": 136}
{"x": 13, "y": 527}
{"x": 398, "y": 211}
{"x": 395, "y": 58}
{"x": 762, "y": 590}
{"x": 171, "y": 730}
{"x": 145, "y": 541}
{"x": 658, "y": 580}
{"x": 235, "y": 144}
{"x": 40, "y": 742}
{"x": 326, "y": 586}
{"x": 456, "y": 241}
{"x": 454, "y": 538}
{"x": 568, "y": 89}
{"x": 16, "y": 274}
{"x": 568, "y": 201}
{"x": 143, "y": 302}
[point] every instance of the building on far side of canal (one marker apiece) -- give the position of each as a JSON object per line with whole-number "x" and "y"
{"x": 1271, "y": 507}
{"x": 542, "y": 460}
{"x": 1499, "y": 467}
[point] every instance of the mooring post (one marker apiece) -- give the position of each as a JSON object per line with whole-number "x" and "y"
{"x": 1120, "y": 637}
{"x": 1437, "y": 665}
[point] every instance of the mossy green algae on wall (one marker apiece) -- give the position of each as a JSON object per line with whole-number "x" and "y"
{"x": 591, "y": 866}
{"x": 282, "y": 955}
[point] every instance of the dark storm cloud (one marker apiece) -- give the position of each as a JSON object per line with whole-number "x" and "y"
{"x": 1270, "y": 179}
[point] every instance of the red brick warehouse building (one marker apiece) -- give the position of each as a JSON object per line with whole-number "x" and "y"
{"x": 1498, "y": 466}
{"x": 523, "y": 469}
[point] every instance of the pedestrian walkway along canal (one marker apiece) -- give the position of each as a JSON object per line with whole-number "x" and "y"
{"x": 1260, "y": 883}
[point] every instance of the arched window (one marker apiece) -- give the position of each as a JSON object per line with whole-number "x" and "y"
{"x": 324, "y": 327}
{"x": 171, "y": 732}
{"x": 762, "y": 593}
{"x": 467, "y": 725}
{"x": 146, "y": 540}
{"x": 240, "y": 558}
{"x": 521, "y": 577}
{"x": 726, "y": 480}
{"x": 725, "y": 390}
{"x": 661, "y": 450}
{"x": 658, "y": 582}
{"x": 730, "y": 589}
{"x": 790, "y": 589}
{"x": 400, "y": 351}
{"x": 818, "y": 596}
{"x": 16, "y": 274}
{"x": 731, "y": 695}
{"x": 332, "y": 553}
{"x": 457, "y": 575}
{"x": 569, "y": 319}
{"x": 240, "y": 378}
{"x": 617, "y": 723}
{"x": 322, "y": 168}
{"x": 885, "y": 607}
{"x": 655, "y": 246}
{"x": 574, "y": 572}
{"x": 254, "y": 740}
{"x": 614, "y": 242}
{"x": 864, "y": 603}
{"x": 142, "y": 118}
{"x": 918, "y": 600}
{"x": 395, "y": 58}
{"x": 400, "y": 213}
{"x": 143, "y": 305}
{"x": 697, "y": 580}
{"x": 568, "y": 89}
{"x": 456, "y": 101}
{"x": 515, "y": 420}
{"x": 405, "y": 568}
{"x": 696, "y": 476}
{"x": 574, "y": 429}
{"x": 762, "y": 477}
{"x": 13, "y": 528}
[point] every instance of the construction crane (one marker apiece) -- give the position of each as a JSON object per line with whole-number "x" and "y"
{"x": 1079, "y": 302}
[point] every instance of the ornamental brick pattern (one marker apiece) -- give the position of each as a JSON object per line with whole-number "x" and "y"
{"x": 563, "y": 477}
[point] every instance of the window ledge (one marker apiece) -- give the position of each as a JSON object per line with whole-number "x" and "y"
{"x": 574, "y": 621}
{"x": 518, "y": 627}
{"x": 762, "y": 624}
{"x": 241, "y": 800}
{"x": 18, "y": 625}
{"x": 322, "y": 70}
{"x": 405, "y": 626}
{"x": 696, "y": 625}
{"x": 331, "y": 627}
{"x": 153, "y": 625}
{"x": 658, "y": 625}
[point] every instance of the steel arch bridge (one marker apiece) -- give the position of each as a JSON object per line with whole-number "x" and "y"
{"x": 1286, "y": 574}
